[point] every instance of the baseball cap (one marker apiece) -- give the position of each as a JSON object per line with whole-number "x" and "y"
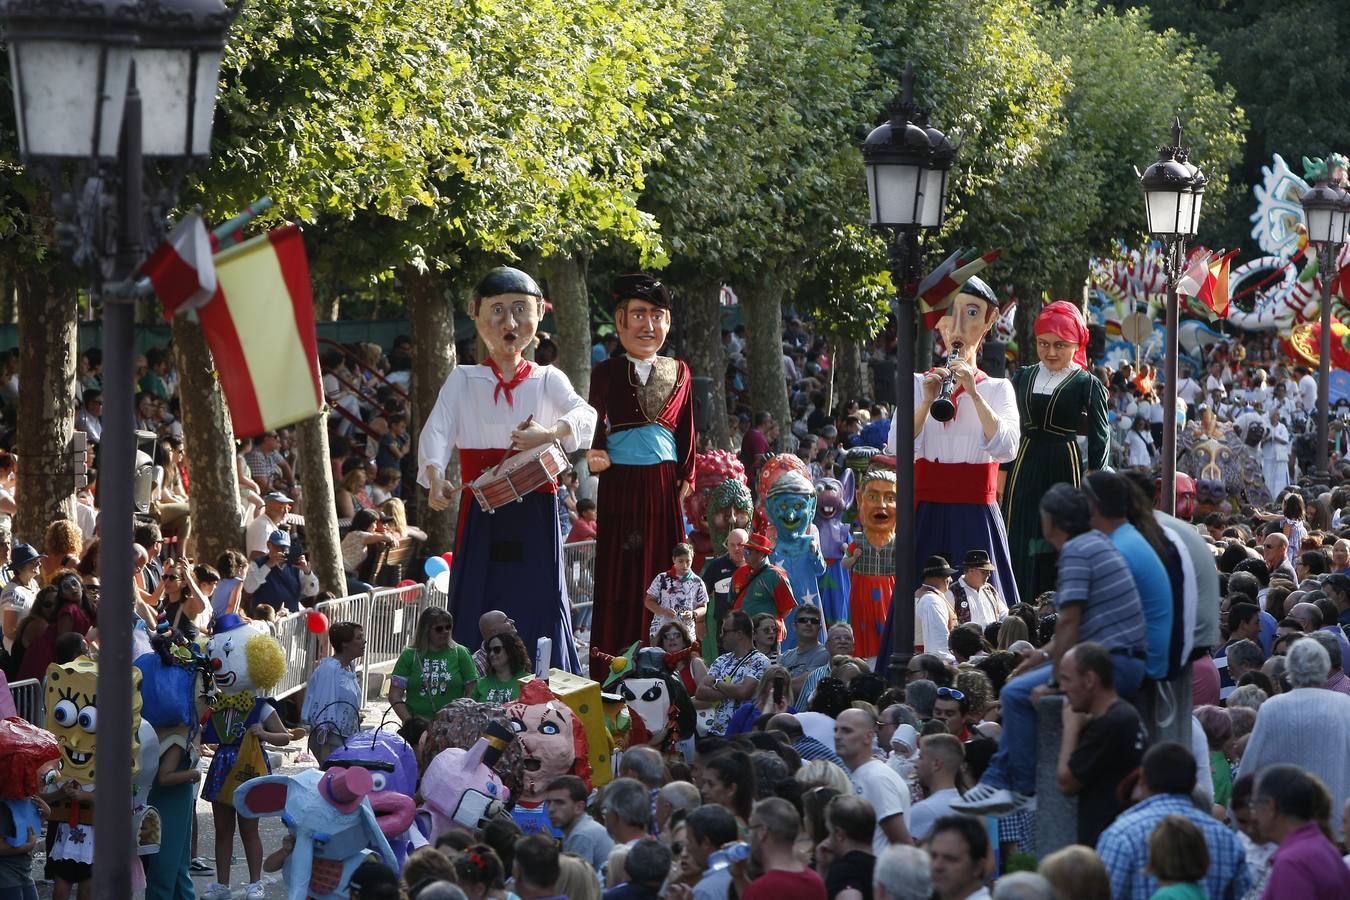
{"x": 280, "y": 538}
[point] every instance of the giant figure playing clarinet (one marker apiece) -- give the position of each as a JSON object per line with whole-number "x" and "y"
{"x": 956, "y": 461}
{"x": 509, "y": 559}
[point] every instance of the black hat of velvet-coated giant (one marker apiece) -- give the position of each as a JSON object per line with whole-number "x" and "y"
{"x": 506, "y": 280}
{"x": 640, "y": 287}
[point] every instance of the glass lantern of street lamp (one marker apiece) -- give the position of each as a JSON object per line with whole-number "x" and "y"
{"x": 1173, "y": 191}
{"x": 177, "y": 70}
{"x": 907, "y": 165}
{"x": 69, "y": 63}
{"x": 1324, "y": 214}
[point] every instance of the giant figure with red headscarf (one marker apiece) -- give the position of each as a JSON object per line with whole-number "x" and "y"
{"x": 643, "y": 453}
{"x": 956, "y": 461}
{"x": 1057, "y": 400}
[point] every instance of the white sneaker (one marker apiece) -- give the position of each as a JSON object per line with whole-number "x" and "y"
{"x": 253, "y": 891}
{"x": 984, "y": 799}
{"x": 216, "y": 891}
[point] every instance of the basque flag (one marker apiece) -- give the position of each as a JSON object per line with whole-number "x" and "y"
{"x": 260, "y": 327}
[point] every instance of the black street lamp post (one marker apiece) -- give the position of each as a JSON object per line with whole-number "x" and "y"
{"x": 82, "y": 126}
{"x": 907, "y": 165}
{"x": 1325, "y": 209}
{"x": 1173, "y": 192}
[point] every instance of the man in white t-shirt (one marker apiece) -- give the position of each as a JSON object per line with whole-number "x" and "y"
{"x": 877, "y": 783}
{"x": 1188, "y": 389}
{"x": 275, "y": 507}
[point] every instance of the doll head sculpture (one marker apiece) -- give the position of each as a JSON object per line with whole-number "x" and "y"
{"x": 791, "y": 508}
{"x": 661, "y": 712}
{"x": 30, "y": 762}
{"x": 329, "y": 815}
{"x": 460, "y": 788}
{"x": 876, "y": 506}
{"x": 506, "y": 307}
{"x": 244, "y": 656}
{"x": 72, "y": 716}
{"x": 552, "y": 738}
{"x": 730, "y": 506}
{"x": 392, "y": 765}
{"x": 461, "y": 724}
{"x": 174, "y": 685}
{"x": 969, "y": 318}
{"x": 834, "y": 497}
{"x": 774, "y": 467}
{"x": 641, "y": 314}
{"x": 711, "y": 470}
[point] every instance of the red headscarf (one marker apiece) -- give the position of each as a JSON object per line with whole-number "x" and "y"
{"x": 1065, "y": 321}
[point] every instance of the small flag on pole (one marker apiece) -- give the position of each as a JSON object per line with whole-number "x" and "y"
{"x": 181, "y": 269}
{"x": 260, "y": 327}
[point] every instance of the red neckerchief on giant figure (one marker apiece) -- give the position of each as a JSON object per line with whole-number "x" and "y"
{"x": 523, "y": 370}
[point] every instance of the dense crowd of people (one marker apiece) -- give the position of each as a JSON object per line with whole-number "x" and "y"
{"x": 807, "y": 768}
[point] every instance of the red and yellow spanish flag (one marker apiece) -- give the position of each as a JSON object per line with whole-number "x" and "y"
{"x": 260, "y": 327}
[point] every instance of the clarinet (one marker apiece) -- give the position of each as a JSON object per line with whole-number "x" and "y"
{"x": 943, "y": 409}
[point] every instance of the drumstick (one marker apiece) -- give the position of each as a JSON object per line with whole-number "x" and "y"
{"x": 513, "y": 450}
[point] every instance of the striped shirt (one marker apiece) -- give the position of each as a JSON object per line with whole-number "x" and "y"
{"x": 808, "y": 748}
{"x": 1092, "y": 572}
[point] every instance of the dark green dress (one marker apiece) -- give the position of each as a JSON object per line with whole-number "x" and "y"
{"x": 1048, "y": 454}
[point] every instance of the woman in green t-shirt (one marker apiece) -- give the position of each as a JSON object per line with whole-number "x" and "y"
{"x": 507, "y": 661}
{"x": 432, "y": 672}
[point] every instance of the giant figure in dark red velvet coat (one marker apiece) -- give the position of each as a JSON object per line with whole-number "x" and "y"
{"x": 643, "y": 453}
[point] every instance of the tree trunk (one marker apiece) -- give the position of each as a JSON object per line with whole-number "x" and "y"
{"x": 850, "y": 372}
{"x": 702, "y": 344}
{"x": 209, "y": 436}
{"x": 432, "y": 315}
{"x": 7, "y": 304}
{"x": 1025, "y": 326}
{"x": 48, "y": 324}
{"x": 321, "y": 528}
{"x": 764, "y": 350}
{"x": 566, "y": 276}
{"x": 327, "y": 302}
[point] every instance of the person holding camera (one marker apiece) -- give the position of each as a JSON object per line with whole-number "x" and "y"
{"x": 278, "y": 580}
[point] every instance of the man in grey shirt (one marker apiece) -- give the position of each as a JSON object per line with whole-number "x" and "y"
{"x": 810, "y": 653}
{"x": 583, "y": 836}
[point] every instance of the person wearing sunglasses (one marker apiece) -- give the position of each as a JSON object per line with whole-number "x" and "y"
{"x": 952, "y": 707}
{"x": 508, "y": 662}
{"x": 809, "y": 654}
{"x": 433, "y": 672}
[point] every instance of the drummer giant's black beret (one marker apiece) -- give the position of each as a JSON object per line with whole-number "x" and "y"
{"x": 506, "y": 280}
{"x": 977, "y": 287}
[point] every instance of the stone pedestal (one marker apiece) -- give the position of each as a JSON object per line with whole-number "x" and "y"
{"x": 1056, "y": 814}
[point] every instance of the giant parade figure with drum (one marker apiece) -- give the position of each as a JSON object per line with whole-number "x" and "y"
{"x": 511, "y": 420}
{"x": 643, "y": 453}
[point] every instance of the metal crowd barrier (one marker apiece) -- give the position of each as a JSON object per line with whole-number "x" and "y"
{"x": 27, "y": 695}
{"x": 389, "y": 619}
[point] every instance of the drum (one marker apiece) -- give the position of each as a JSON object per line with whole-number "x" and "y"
{"x": 514, "y": 477}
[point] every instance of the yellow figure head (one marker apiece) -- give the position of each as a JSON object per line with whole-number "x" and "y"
{"x": 72, "y": 715}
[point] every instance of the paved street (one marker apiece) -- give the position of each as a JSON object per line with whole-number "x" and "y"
{"x": 271, "y": 829}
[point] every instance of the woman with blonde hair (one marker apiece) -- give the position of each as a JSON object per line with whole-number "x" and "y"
{"x": 1013, "y": 629}
{"x": 1077, "y": 871}
{"x": 351, "y": 492}
{"x": 823, "y": 773}
{"x": 576, "y": 879}
{"x": 61, "y": 547}
{"x": 673, "y": 637}
{"x": 398, "y": 513}
{"x": 433, "y": 672}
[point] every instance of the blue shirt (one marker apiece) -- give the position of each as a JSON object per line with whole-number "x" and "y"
{"x": 1269, "y": 628}
{"x": 1091, "y": 571}
{"x": 1155, "y": 594}
{"x": 1123, "y": 847}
